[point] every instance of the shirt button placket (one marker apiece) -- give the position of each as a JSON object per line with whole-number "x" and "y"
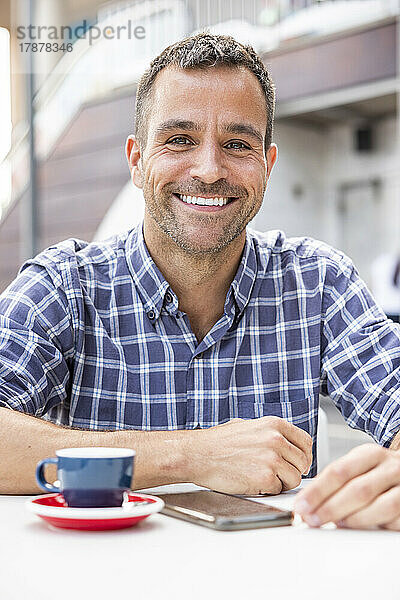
{"x": 190, "y": 393}
{"x": 192, "y": 410}
{"x": 197, "y": 393}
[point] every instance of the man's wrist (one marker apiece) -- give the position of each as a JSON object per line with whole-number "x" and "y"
{"x": 174, "y": 457}
{"x": 189, "y": 454}
{"x": 178, "y": 456}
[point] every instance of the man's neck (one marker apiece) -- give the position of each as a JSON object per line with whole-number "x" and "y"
{"x": 201, "y": 281}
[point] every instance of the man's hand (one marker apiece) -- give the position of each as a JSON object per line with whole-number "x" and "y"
{"x": 256, "y": 456}
{"x": 360, "y": 490}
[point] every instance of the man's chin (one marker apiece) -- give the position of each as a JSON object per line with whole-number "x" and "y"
{"x": 203, "y": 246}
{"x": 200, "y": 240}
{"x": 199, "y": 249}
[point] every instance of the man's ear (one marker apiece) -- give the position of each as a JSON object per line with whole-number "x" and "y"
{"x": 134, "y": 158}
{"x": 272, "y": 155}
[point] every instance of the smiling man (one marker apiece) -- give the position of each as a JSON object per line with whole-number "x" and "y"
{"x": 203, "y": 165}
{"x": 195, "y": 340}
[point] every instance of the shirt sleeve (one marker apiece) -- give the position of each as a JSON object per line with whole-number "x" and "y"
{"x": 360, "y": 367}
{"x": 36, "y": 342}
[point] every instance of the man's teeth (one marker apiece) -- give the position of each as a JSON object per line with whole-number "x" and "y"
{"x": 203, "y": 201}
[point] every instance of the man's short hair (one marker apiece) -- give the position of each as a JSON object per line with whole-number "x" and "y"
{"x": 203, "y": 51}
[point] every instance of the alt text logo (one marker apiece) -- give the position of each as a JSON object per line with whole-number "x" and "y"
{"x": 49, "y": 33}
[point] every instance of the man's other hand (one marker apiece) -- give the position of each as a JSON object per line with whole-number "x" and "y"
{"x": 360, "y": 490}
{"x": 256, "y": 456}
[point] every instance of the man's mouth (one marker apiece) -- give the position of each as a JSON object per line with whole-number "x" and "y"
{"x": 203, "y": 201}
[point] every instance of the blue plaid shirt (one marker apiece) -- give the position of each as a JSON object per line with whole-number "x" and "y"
{"x": 91, "y": 336}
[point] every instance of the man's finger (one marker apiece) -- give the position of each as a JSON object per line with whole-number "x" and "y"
{"x": 393, "y": 525}
{"x": 294, "y": 456}
{"x": 356, "y": 495}
{"x": 383, "y": 512}
{"x": 336, "y": 475}
{"x": 295, "y": 435}
{"x": 288, "y": 475}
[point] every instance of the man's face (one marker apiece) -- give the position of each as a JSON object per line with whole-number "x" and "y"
{"x": 205, "y": 139}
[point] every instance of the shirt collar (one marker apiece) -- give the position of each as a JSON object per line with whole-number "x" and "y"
{"x": 245, "y": 277}
{"x": 149, "y": 280}
{"x": 152, "y": 286}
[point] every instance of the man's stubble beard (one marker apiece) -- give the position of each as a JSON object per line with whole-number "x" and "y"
{"x": 169, "y": 225}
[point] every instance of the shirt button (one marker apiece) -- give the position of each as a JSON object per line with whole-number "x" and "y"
{"x": 168, "y": 297}
{"x": 199, "y": 355}
{"x": 151, "y": 314}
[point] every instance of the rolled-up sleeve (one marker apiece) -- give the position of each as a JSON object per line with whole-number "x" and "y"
{"x": 360, "y": 368}
{"x": 36, "y": 342}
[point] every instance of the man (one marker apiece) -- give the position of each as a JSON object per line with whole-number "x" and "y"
{"x": 216, "y": 338}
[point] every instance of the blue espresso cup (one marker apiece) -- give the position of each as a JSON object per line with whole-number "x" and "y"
{"x": 90, "y": 477}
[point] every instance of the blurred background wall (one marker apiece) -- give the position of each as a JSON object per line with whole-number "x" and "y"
{"x": 336, "y": 68}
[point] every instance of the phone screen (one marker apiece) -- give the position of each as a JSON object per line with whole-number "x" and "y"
{"x": 222, "y": 511}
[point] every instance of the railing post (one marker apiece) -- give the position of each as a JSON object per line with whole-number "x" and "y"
{"x": 30, "y": 220}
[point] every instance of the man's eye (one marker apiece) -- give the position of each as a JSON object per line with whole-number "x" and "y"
{"x": 237, "y": 146}
{"x": 179, "y": 141}
{"x": 184, "y": 141}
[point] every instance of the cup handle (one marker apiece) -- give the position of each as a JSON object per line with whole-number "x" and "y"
{"x": 40, "y": 478}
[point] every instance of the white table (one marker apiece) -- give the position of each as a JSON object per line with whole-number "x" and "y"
{"x": 165, "y": 558}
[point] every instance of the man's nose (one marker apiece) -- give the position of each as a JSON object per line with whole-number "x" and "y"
{"x": 208, "y": 163}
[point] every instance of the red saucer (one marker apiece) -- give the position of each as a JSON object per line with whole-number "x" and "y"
{"x": 53, "y": 509}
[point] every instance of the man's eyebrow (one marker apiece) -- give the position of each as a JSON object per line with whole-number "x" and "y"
{"x": 246, "y": 129}
{"x": 184, "y": 125}
{"x": 173, "y": 124}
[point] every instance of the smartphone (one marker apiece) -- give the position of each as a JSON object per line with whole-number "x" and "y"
{"x": 223, "y": 511}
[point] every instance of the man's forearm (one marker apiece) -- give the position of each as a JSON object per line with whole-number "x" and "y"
{"x": 161, "y": 456}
